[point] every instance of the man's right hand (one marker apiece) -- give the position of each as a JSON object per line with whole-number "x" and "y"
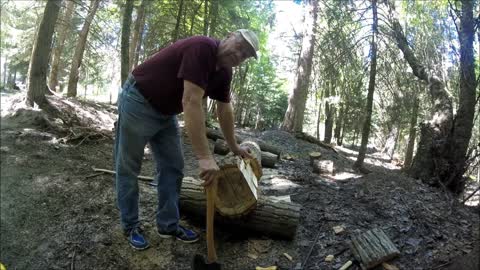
{"x": 208, "y": 170}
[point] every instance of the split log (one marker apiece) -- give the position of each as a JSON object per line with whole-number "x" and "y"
{"x": 323, "y": 166}
{"x": 237, "y": 190}
{"x": 314, "y": 156}
{"x": 221, "y": 147}
{"x": 372, "y": 248}
{"x": 272, "y": 216}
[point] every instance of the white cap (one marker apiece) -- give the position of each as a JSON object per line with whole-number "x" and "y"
{"x": 251, "y": 38}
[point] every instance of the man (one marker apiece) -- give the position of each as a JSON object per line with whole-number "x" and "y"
{"x": 173, "y": 80}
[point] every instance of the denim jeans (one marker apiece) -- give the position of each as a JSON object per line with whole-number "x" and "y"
{"x": 138, "y": 124}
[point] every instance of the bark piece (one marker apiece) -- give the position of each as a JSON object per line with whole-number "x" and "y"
{"x": 271, "y": 217}
{"x": 372, "y": 248}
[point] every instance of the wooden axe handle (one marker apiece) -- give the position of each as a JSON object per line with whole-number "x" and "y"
{"x": 211, "y": 192}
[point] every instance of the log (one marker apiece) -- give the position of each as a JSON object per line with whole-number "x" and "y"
{"x": 238, "y": 184}
{"x": 269, "y": 159}
{"x": 314, "y": 156}
{"x": 272, "y": 216}
{"x": 215, "y": 134}
{"x": 372, "y": 248}
{"x": 323, "y": 166}
{"x": 221, "y": 147}
{"x": 269, "y": 148}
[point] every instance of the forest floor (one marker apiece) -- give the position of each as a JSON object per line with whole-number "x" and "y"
{"x": 56, "y": 213}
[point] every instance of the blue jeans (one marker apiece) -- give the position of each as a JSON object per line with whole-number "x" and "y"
{"x": 138, "y": 124}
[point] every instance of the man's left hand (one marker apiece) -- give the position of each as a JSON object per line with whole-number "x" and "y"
{"x": 244, "y": 152}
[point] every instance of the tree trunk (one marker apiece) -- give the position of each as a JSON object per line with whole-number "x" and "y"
{"x": 293, "y": 120}
{"x": 337, "y": 134}
{"x": 205, "y": 19}
{"x": 329, "y": 114}
{"x": 213, "y": 14}
{"x": 137, "y": 35}
{"x": 37, "y": 79}
{"x": 411, "y": 135}
{"x": 318, "y": 120}
{"x": 177, "y": 24}
{"x": 390, "y": 143}
{"x": 371, "y": 89}
{"x": 4, "y": 80}
{"x": 463, "y": 124}
{"x": 125, "y": 43}
{"x": 79, "y": 50}
{"x": 64, "y": 25}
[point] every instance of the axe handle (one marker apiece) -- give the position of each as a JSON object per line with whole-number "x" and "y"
{"x": 211, "y": 191}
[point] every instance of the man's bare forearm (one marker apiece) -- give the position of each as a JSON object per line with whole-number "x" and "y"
{"x": 195, "y": 121}
{"x": 225, "y": 118}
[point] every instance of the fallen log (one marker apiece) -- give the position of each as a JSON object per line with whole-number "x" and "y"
{"x": 271, "y": 216}
{"x": 268, "y": 159}
{"x": 215, "y": 134}
{"x": 221, "y": 147}
{"x": 311, "y": 139}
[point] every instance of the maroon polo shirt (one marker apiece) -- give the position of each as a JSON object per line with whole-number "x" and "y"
{"x": 160, "y": 78}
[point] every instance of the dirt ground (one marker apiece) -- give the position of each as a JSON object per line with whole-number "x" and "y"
{"x": 57, "y": 213}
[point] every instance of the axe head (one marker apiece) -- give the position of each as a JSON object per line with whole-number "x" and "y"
{"x": 199, "y": 263}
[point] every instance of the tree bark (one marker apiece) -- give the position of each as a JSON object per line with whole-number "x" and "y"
{"x": 293, "y": 120}
{"x": 37, "y": 79}
{"x": 137, "y": 35}
{"x": 411, "y": 135}
{"x": 371, "y": 88}
{"x": 79, "y": 50}
{"x": 63, "y": 24}
{"x": 125, "y": 43}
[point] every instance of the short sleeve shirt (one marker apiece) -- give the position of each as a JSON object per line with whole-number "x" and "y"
{"x": 160, "y": 78}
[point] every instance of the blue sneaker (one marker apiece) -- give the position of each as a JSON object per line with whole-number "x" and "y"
{"x": 136, "y": 239}
{"x": 183, "y": 234}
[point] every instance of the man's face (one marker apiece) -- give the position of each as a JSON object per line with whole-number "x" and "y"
{"x": 233, "y": 51}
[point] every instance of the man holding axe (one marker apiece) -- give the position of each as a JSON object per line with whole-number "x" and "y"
{"x": 173, "y": 80}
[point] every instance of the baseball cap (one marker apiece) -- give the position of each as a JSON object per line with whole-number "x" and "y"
{"x": 251, "y": 38}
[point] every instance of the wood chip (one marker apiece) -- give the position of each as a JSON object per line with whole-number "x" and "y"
{"x": 346, "y": 265}
{"x": 338, "y": 229}
{"x": 252, "y": 256}
{"x": 288, "y": 256}
{"x": 329, "y": 258}
{"x": 266, "y": 268}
